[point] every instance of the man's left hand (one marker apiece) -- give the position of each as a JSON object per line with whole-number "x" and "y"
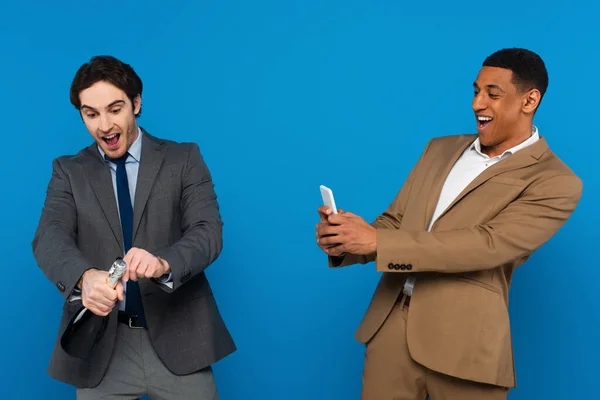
{"x": 141, "y": 264}
{"x": 347, "y": 233}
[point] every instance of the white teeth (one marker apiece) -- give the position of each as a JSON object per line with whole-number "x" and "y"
{"x": 110, "y": 137}
{"x": 484, "y": 119}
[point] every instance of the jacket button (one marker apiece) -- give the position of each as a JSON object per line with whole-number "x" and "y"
{"x": 390, "y": 266}
{"x": 61, "y": 286}
{"x": 409, "y": 267}
{"x": 403, "y": 267}
{"x": 396, "y": 267}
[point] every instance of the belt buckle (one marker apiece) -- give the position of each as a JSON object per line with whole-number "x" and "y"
{"x": 132, "y": 326}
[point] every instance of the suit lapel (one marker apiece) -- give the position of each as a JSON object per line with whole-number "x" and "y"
{"x": 98, "y": 175}
{"x": 153, "y": 154}
{"x": 521, "y": 159}
{"x": 446, "y": 161}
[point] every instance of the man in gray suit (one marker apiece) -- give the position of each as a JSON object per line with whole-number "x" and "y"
{"x": 152, "y": 202}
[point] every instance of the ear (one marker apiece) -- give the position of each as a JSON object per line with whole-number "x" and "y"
{"x": 531, "y": 100}
{"x": 137, "y": 104}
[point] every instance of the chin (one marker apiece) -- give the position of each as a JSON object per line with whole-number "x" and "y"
{"x": 111, "y": 153}
{"x": 486, "y": 141}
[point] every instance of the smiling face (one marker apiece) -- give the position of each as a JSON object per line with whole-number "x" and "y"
{"x": 109, "y": 116}
{"x": 504, "y": 112}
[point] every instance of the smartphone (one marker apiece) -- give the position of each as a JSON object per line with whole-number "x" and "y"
{"x": 328, "y": 199}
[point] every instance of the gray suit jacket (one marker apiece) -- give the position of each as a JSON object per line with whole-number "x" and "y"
{"x": 176, "y": 217}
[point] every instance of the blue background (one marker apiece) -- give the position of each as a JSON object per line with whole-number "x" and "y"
{"x": 282, "y": 97}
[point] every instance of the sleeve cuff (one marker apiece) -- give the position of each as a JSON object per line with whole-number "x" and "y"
{"x": 166, "y": 278}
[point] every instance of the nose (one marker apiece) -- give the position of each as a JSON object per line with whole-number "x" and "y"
{"x": 105, "y": 124}
{"x": 479, "y": 103}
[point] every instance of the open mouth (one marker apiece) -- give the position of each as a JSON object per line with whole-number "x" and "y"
{"x": 112, "y": 140}
{"x": 483, "y": 121}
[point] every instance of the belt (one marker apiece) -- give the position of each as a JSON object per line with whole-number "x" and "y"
{"x": 132, "y": 321}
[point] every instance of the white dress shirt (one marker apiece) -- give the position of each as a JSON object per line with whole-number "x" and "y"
{"x": 470, "y": 164}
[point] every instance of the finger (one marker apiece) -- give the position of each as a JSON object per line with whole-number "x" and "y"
{"x": 343, "y": 216}
{"x": 112, "y": 296}
{"x": 329, "y": 241}
{"x": 104, "y": 299}
{"x": 106, "y": 309}
{"x": 321, "y": 226}
{"x": 338, "y": 219}
{"x": 151, "y": 273}
{"x": 103, "y": 294}
{"x": 153, "y": 269}
{"x": 132, "y": 275}
{"x": 324, "y": 211}
{"x": 141, "y": 269}
{"x": 127, "y": 260}
{"x": 101, "y": 311}
{"x": 135, "y": 264}
{"x": 328, "y": 230}
{"x": 94, "y": 306}
{"x": 319, "y": 229}
{"x": 120, "y": 291}
{"x": 131, "y": 259}
{"x": 146, "y": 265}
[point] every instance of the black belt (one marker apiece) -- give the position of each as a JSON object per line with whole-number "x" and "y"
{"x": 131, "y": 321}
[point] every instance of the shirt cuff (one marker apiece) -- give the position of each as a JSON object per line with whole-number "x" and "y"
{"x": 166, "y": 278}
{"x": 75, "y": 295}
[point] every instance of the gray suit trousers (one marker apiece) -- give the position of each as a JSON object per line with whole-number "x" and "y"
{"x": 136, "y": 371}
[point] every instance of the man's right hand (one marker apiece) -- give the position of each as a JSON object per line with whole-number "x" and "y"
{"x": 96, "y": 294}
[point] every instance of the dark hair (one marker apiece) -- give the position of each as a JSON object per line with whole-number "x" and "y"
{"x": 111, "y": 70}
{"x": 528, "y": 68}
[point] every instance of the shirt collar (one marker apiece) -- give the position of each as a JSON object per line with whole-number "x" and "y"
{"x": 135, "y": 151}
{"x": 476, "y": 145}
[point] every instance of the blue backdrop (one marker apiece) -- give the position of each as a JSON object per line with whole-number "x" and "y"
{"x": 282, "y": 97}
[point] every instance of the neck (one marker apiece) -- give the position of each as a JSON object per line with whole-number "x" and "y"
{"x": 136, "y": 132}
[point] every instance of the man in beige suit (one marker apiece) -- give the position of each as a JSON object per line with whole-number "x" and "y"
{"x": 473, "y": 208}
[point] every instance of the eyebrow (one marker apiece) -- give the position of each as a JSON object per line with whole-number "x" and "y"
{"x": 489, "y": 87}
{"x": 109, "y": 106}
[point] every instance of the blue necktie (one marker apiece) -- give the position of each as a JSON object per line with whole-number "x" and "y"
{"x": 133, "y": 301}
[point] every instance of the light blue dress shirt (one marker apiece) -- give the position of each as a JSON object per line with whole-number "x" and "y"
{"x": 132, "y": 166}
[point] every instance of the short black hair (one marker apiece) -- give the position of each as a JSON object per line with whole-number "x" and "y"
{"x": 528, "y": 68}
{"x": 111, "y": 70}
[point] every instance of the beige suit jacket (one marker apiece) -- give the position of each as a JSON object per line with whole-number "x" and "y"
{"x": 458, "y": 322}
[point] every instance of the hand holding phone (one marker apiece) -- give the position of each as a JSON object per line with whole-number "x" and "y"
{"x": 328, "y": 201}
